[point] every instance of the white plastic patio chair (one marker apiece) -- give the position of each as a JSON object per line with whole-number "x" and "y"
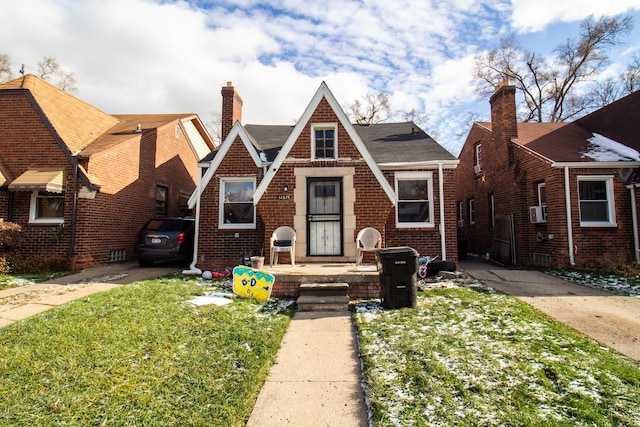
{"x": 368, "y": 240}
{"x": 283, "y": 239}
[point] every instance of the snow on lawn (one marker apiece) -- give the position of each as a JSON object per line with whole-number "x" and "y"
{"x": 473, "y": 357}
{"x": 618, "y": 285}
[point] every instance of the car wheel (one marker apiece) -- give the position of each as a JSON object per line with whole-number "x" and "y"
{"x": 145, "y": 262}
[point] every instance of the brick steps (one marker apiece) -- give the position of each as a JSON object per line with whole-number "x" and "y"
{"x": 323, "y": 297}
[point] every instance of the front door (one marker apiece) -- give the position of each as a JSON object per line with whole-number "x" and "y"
{"x": 324, "y": 216}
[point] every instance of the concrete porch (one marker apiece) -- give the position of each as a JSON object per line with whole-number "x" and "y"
{"x": 363, "y": 280}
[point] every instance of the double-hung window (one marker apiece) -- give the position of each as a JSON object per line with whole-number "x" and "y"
{"x": 162, "y": 196}
{"x": 324, "y": 141}
{"x": 542, "y": 199}
{"x": 47, "y": 207}
{"x": 478, "y": 159}
{"x": 236, "y": 203}
{"x": 415, "y": 199}
{"x": 472, "y": 211}
{"x": 595, "y": 197}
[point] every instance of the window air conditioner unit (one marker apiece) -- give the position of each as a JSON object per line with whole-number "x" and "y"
{"x": 477, "y": 169}
{"x": 461, "y": 223}
{"x": 536, "y": 214}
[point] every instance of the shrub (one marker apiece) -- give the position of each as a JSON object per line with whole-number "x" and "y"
{"x": 19, "y": 263}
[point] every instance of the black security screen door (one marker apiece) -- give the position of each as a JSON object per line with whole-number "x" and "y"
{"x": 324, "y": 216}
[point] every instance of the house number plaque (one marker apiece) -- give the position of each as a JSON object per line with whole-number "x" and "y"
{"x": 284, "y": 197}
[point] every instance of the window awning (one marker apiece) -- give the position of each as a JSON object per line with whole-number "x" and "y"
{"x": 50, "y": 180}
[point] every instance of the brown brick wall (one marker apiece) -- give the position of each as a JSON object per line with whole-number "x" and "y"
{"x": 512, "y": 175}
{"x": 128, "y": 173}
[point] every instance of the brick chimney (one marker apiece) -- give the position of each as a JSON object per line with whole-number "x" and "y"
{"x": 231, "y": 108}
{"x": 504, "y": 122}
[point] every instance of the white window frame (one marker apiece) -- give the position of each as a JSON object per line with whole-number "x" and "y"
{"x": 478, "y": 159}
{"x": 221, "y": 216}
{"x": 412, "y": 176}
{"x": 608, "y": 179}
{"x": 472, "y": 211}
{"x": 33, "y": 211}
{"x": 542, "y": 204}
{"x": 324, "y": 126}
{"x": 461, "y": 211}
{"x": 492, "y": 209}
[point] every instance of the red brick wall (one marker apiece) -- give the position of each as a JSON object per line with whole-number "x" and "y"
{"x": 512, "y": 175}
{"x": 128, "y": 173}
{"x": 220, "y": 248}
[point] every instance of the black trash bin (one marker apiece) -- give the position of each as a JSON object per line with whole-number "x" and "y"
{"x": 398, "y": 269}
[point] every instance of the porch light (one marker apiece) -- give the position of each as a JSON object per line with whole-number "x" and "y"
{"x": 285, "y": 188}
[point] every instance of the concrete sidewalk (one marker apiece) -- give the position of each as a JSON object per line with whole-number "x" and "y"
{"x": 28, "y": 300}
{"x": 316, "y": 379}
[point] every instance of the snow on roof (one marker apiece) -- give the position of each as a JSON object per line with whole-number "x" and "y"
{"x": 603, "y": 149}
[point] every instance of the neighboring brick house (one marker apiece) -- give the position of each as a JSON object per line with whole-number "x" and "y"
{"x": 327, "y": 179}
{"x": 517, "y": 184}
{"x": 129, "y": 168}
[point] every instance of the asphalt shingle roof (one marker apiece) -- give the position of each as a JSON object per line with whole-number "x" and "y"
{"x": 402, "y": 142}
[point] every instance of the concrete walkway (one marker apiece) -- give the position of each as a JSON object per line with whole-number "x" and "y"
{"x": 316, "y": 379}
{"x": 28, "y": 300}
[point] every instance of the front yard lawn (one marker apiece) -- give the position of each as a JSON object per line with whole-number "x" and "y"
{"x": 468, "y": 357}
{"x": 139, "y": 355}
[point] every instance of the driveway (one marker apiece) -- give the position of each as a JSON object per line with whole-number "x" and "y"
{"x": 610, "y": 319}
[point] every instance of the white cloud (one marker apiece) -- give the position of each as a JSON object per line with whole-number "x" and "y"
{"x": 536, "y": 15}
{"x": 150, "y": 56}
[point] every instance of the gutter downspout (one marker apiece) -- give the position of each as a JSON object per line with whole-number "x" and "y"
{"x": 193, "y": 270}
{"x": 634, "y": 221}
{"x": 568, "y": 211}
{"x": 74, "y": 207}
{"x": 443, "y": 245}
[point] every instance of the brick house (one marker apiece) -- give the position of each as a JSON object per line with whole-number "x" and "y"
{"x": 327, "y": 179}
{"x": 82, "y": 182}
{"x": 551, "y": 194}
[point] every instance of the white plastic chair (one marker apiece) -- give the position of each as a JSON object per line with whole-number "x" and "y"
{"x": 283, "y": 239}
{"x": 368, "y": 240}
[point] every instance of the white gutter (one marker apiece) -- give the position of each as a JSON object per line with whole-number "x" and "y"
{"x": 443, "y": 246}
{"x": 634, "y": 221}
{"x": 193, "y": 270}
{"x": 567, "y": 194}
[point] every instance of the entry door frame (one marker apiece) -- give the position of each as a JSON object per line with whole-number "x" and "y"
{"x": 332, "y": 217}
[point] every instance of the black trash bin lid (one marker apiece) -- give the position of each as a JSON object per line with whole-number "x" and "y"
{"x": 398, "y": 250}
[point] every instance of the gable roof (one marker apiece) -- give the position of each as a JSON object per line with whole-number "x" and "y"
{"x": 77, "y": 122}
{"x": 214, "y": 159}
{"x": 323, "y": 92}
{"x": 574, "y": 142}
{"x": 83, "y": 127}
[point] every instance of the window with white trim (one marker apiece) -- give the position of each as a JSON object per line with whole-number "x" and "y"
{"x": 595, "y": 199}
{"x": 472, "y": 211}
{"x": 414, "y": 191}
{"x": 236, "y": 203}
{"x": 542, "y": 199}
{"x": 478, "y": 159}
{"x": 46, "y": 207}
{"x": 460, "y": 214}
{"x": 324, "y": 141}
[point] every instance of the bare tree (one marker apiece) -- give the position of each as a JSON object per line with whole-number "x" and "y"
{"x": 549, "y": 84}
{"x": 214, "y": 126}
{"x": 5, "y": 68}
{"x": 414, "y": 116}
{"x": 631, "y": 77}
{"x": 372, "y": 109}
{"x": 49, "y": 68}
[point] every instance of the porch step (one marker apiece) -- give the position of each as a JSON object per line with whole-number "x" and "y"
{"x": 323, "y": 297}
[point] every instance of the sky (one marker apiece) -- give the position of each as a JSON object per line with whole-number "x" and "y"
{"x": 164, "y": 56}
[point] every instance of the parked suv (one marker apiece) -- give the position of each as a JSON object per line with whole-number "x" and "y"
{"x": 165, "y": 239}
